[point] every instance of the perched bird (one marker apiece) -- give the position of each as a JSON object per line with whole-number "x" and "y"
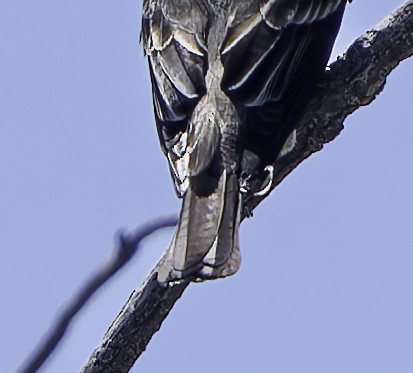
{"x": 230, "y": 80}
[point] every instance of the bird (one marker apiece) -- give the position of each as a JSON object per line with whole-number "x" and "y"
{"x": 230, "y": 81}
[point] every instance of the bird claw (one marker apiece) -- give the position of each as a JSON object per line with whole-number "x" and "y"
{"x": 247, "y": 190}
{"x": 268, "y": 182}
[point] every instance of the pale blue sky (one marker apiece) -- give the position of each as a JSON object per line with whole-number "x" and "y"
{"x": 326, "y": 283}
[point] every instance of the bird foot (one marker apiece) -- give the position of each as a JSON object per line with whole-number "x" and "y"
{"x": 267, "y": 184}
{"x": 247, "y": 189}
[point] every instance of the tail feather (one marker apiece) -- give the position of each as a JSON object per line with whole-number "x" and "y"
{"x": 226, "y": 236}
{"x": 206, "y": 241}
{"x": 224, "y": 258}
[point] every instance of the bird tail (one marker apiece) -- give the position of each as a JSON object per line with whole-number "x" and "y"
{"x": 205, "y": 245}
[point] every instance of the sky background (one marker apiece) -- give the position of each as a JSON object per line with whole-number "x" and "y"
{"x": 326, "y": 283}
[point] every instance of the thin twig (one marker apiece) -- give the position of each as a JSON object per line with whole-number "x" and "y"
{"x": 127, "y": 247}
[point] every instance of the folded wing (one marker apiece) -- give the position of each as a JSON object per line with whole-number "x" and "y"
{"x": 274, "y": 52}
{"x": 173, "y": 34}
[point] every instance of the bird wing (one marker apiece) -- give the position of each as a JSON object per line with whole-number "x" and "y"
{"x": 264, "y": 45}
{"x": 273, "y": 53}
{"x": 269, "y": 46}
{"x": 173, "y": 34}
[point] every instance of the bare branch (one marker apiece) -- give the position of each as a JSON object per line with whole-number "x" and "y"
{"x": 352, "y": 81}
{"x": 127, "y": 247}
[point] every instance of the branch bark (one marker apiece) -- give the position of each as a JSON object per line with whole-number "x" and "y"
{"x": 354, "y": 80}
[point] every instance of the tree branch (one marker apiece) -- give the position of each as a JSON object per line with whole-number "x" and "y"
{"x": 127, "y": 247}
{"x": 354, "y": 80}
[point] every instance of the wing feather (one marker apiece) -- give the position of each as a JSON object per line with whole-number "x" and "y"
{"x": 262, "y": 40}
{"x": 273, "y": 53}
{"x": 174, "y": 38}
